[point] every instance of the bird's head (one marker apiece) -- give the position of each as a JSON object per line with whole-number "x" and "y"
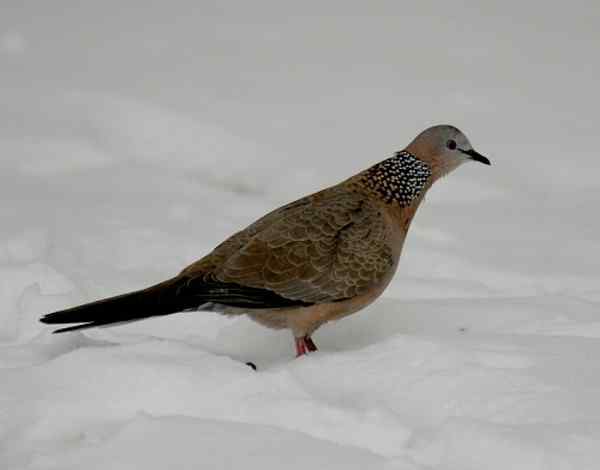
{"x": 444, "y": 148}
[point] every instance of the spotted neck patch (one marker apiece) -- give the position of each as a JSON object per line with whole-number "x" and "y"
{"x": 400, "y": 178}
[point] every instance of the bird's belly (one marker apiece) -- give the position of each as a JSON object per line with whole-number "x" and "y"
{"x": 305, "y": 320}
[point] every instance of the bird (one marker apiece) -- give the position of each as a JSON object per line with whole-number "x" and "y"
{"x": 315, "y": 260}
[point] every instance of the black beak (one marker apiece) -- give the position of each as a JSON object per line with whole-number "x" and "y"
{"x": 473, "y": 155}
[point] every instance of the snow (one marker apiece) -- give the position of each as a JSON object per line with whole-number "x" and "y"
{"x": 133, "y": 140}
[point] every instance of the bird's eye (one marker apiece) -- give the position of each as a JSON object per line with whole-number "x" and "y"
{"x": 451, "y": 144}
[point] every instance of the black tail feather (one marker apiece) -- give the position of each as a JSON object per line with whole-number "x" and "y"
{"x": 154, "y": 301}
{"x": 95, "y": 324}
{"x": 172, "y": 296}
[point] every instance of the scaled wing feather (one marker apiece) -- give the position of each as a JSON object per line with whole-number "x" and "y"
{"x": 334, "y": 248}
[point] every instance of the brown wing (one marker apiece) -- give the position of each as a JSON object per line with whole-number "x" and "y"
{"x": 331, "y": 248}
{"x": 238, "y": 240}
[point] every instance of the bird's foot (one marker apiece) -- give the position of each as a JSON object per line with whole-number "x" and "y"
{"x": 305, "y": 345}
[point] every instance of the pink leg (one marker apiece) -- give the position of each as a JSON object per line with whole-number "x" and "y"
{"x": 304, "y": 346}
{"x": 301, "y": 349}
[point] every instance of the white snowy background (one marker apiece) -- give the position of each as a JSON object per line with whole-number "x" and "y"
{"x": 135, "y": 136}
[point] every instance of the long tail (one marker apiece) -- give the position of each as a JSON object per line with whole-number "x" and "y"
{"x": 172, "y": 296}
{"x": 153, "y": 301}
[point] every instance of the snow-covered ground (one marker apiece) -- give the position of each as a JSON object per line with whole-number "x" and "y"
{"x": 135, "y": 138}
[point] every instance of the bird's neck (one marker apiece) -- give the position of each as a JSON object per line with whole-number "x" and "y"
{"x": 400, "y": 180}
{"x": 428, "y": 155}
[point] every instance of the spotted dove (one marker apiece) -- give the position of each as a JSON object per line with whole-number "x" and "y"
{"x": 312, "y": 261}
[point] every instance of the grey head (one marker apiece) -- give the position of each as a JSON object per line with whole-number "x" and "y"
{"x": 444, "y": 148}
